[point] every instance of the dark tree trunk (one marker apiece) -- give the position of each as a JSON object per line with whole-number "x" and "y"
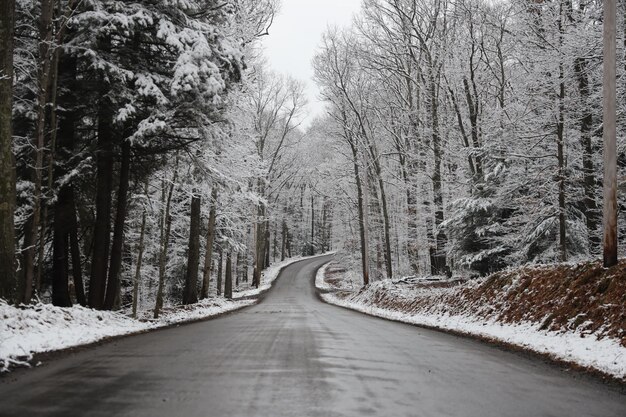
{"x": 275, "y": 242}
{"x": 267, "y": 245}
{"x": 386, "y": 222}
{"x": 77, "y": 272}
{"x": 228, "y": 278}
{"x": 8, "y": 282}
{"x": 219, "y": 273}
{"x": 43, "y": 78}
{"x": 359, "y": 189}
{"x": 137, "y": 279}
{"x": 236, "y": 272}
{"x": 206, "y": 273}
{"x": 283, "y": 245}
{"x": 190, "y": 293}
{"x": 464, "y": 136}
{"x": 104, "y": 187}
{"x": 259, "y": 253}
{"x": 118, "y": 234}
{"x": 65, "y": 233}
{"x": 61, "y": 249}
{"x": 60, "y": 266}
{"x": 166, "y": 227}
{"x": 53, "y": 135}
{"x": 437, "y": 254}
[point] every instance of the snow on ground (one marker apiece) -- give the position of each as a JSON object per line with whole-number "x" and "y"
{"x": 39, "y": 328}
{"x": 320, "y": 283}
{"x": 604, "y": 354}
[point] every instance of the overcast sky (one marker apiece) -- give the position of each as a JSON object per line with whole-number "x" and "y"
{"x": 297, "y": 32}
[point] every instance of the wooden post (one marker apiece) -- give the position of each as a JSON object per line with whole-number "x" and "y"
{"x": 609, "y": 133}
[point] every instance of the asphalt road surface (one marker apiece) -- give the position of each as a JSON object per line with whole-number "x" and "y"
{"x": 292, "y": 355}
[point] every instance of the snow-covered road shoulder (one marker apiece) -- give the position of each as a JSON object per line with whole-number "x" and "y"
{"x": 28, "y": 330}
{"x": 431, "y": 307}
{"x": 39, "y": 328}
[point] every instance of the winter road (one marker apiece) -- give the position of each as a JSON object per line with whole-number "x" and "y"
{"x": 293, "y": 355}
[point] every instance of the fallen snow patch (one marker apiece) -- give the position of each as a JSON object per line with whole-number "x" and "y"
{"x": 38, "y": 328}
{"x": 31, "y": 329}
{"x": 320, "y": 283}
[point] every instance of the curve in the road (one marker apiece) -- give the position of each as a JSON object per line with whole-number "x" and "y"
{"x": 293, "y": 355}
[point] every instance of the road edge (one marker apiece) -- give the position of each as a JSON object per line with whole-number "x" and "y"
{"x": 39, "y": 359}
{"x": 573, "y": 369}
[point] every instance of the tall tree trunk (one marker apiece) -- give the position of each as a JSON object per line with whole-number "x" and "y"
{"x": 410, "y": 173}
{"x": 60, "y": 265}
{"x": 361, "y": 205}
{"x": 32, "y": 226}
{"x": 117, "y": 247}
{"x": 228, "y": 278}
{"x": 324, "y": 242}
{"x": 53, "y": 93}
{"x": 166, "y": 226}
{"x": 137, "y": 279}
{"x": 275, "y": 242}
{"x": 208, "y": 255}
{"x": 267, "y": 245}
{"x": 219, "y": 272}
{"x": 190, "y": 293}
{"x": 8, "y": 280}
{"x": 64, "y": 223}
{"x": 246, "y": 260}
{"x": 104, "y": 188}
{"x": 383, "y": 203}
{"x": 77, "y": 272}
{"x": 61, "y": 249}
{"x": 437, "y": 256}
{"x": 235, "y": 270}
{"x": 283, "y": 245}
{"x": 312, "y": 248}
{"x": 471, "y": 97}
{"x": 259, "y": 255}
{"x": 464, "y": 137}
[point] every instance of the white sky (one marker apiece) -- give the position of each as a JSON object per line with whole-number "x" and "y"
{"x": 295, "y": 35}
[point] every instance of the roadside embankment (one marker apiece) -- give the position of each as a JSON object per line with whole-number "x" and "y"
{"x": 572, "y": 313}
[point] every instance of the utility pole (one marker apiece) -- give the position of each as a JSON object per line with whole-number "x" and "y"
{"x": 609, "y": 134}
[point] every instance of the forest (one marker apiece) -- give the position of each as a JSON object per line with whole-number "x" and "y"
{"x": 149, "y": 156}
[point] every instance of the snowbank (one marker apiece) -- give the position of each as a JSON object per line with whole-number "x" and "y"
{"x": 475, "y": 308}
{"x": 40, "y": 328}
{"x": 320, "y": 283}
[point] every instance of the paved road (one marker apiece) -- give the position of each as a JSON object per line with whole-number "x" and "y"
{"x": 293, "y": 355}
